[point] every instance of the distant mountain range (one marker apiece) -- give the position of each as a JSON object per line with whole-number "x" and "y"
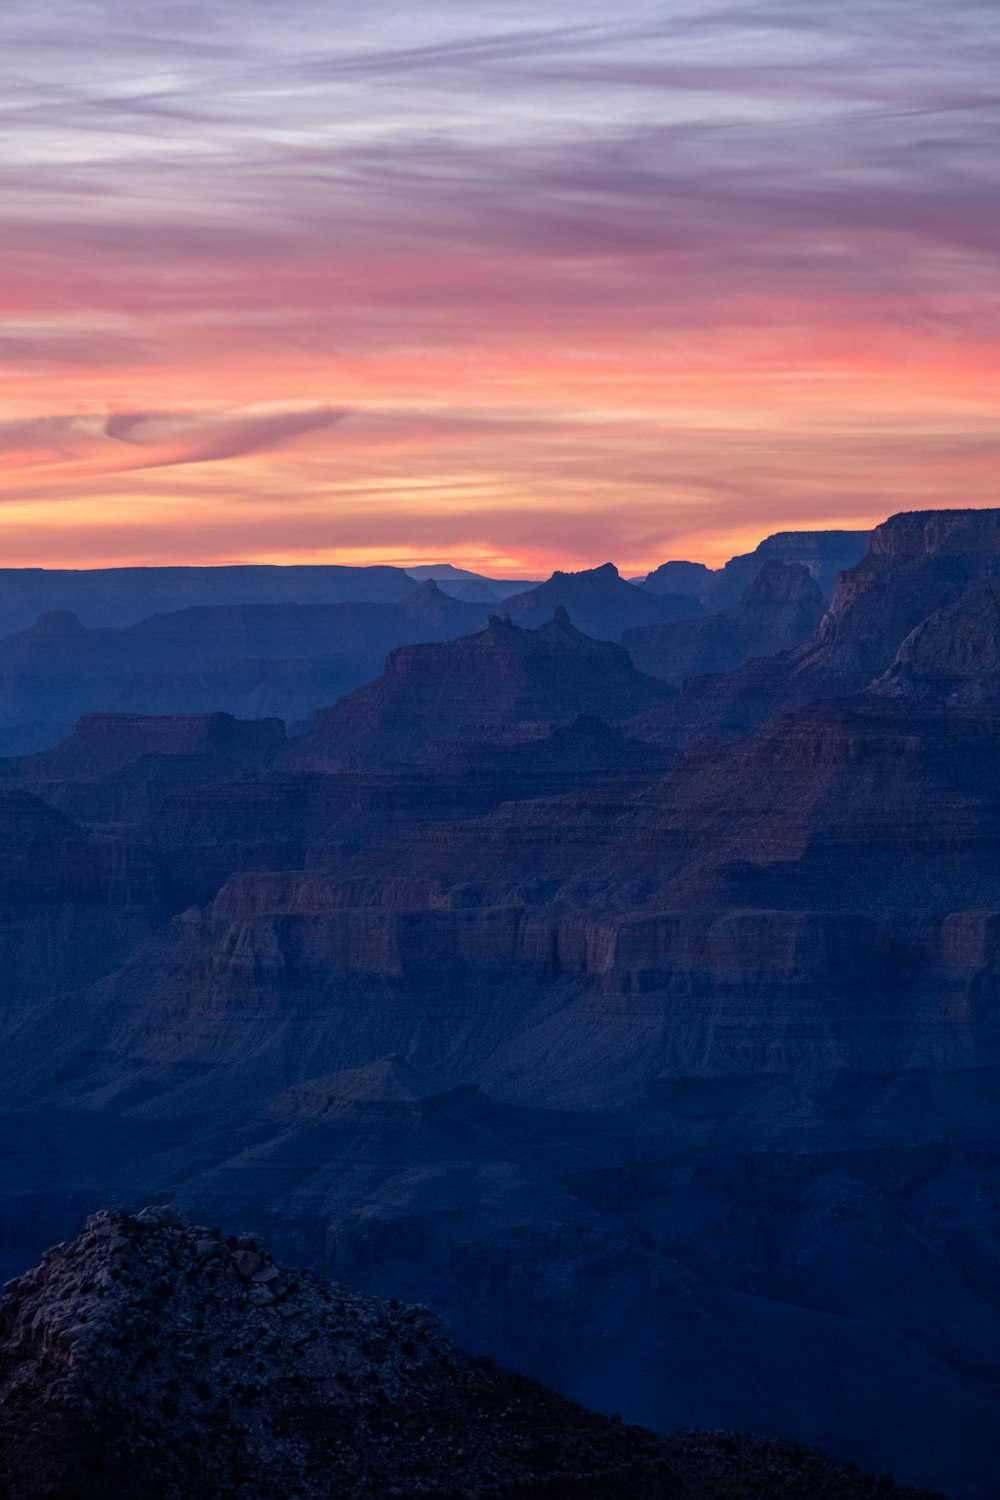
{"x": 273, "y": 641}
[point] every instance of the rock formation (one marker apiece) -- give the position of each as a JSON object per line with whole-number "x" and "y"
{"x": 690, "y": 578}
{"x": 600, "y": 602}
{"x": 504, "y": 679}
{"x": 826, "y": 554}
{"x": 154, "y": 1358}
{"x": 779, "y": 610}
{"x": 103, "y": 743}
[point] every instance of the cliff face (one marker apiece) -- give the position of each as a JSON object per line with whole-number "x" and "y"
{"x": 826, "y": 554}
{"x": 71, "y": 905}
{"x": 677, "y": 1163}
{"x": 952, "y": 659}
{"x": 504, "y": 678}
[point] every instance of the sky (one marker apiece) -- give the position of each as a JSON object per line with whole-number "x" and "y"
{"x": 511, "y": 285}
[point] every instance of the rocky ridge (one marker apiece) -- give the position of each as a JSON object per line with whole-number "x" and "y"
{"x": 156, "y": 1359}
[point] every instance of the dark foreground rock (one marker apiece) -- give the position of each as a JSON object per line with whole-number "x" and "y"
{"x": 151, "y": 1359}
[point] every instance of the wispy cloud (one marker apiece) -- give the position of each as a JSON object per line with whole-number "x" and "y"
{"x": 670, "y": 221}
{"x": 173, "y": 440}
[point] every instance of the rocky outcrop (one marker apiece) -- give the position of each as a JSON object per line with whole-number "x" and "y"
{"x": 600, "y": 602}
{"x": 504, "y": 679}
{"x": 157, "y": 1358}
{"x": 779, "y": 610}
{"x": 826, "y": 554}
{"x": 688, "y": 578}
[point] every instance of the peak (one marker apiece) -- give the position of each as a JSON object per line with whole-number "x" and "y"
{"x": 149, "y": 1350}
{"x": 427, "y": 599}
{"x": 604, "y": 571}
{"x": 557, "y": 631}
{"x": 58, "y": 622}
{"x": 677, "y": 577}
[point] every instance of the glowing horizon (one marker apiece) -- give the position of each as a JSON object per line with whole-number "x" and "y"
{"x": 466, "y": 284}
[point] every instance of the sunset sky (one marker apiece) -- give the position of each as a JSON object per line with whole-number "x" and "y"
{"x": 512, "y": 285}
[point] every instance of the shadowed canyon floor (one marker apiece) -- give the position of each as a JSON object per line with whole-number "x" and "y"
{"x": 665, "y": 1068}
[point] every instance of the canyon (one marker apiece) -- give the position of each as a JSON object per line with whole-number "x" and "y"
{"x": 642, "y": 1024}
